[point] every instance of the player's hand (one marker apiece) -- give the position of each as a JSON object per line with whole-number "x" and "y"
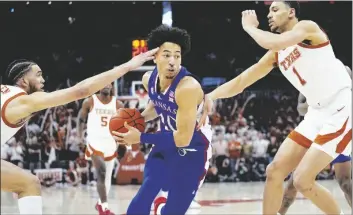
{"x": 249, "y": 19}
{"x": 207, "y": 109}
{"x": 140, "y": 59}
{"x": 131, "y": 137}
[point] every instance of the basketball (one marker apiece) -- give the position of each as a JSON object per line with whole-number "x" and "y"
{"x": 131, "y": 116}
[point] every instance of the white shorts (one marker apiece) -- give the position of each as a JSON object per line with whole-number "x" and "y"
{"x": 328, "y": 128}
{"x": 104, "y": 147}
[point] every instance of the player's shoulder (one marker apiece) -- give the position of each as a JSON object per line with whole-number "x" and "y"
{"x": 88, "y": 102}
{"x": 11, "y": 89}
{"x": 146, "y": 78}
{"x": 308, "y": 25}
{"x": 188, "y": 84}
{"x": 147, "y": 75}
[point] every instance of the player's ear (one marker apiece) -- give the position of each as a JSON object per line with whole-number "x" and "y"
{"x": 291, "y": 12}
{"x": 23, "y": 82}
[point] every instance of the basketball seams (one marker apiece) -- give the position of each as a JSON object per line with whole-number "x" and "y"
{"x": 137, "y": 122}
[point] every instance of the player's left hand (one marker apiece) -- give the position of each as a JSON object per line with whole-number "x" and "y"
{"x": 131, "y": 137}
{"x": 249, "y": 19}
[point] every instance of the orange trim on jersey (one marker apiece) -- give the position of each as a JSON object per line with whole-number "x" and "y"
{"x": 322, "y": 139}
{"x": 276, "y": 57}
{"x": 100, "y": 154}
{"x": 300, "y": 139}
{"x": 4, "y": 108}
{"x": 314, "y": 46}
{"x": 344, "y": 142}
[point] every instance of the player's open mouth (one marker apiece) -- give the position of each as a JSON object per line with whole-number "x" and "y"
{"x": 170, "y": 70}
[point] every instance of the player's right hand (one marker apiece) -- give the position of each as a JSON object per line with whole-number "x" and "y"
{"x": 140, "y": 59}
{"x": 207, "y": 109}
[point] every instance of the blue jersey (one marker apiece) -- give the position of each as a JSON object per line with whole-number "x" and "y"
{"x": 167, "y": 108}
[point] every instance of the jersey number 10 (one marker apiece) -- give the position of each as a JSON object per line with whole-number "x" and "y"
{"x": 166, "y": 120}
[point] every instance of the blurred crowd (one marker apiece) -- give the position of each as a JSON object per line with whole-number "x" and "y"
{"x": 248, "y": 130}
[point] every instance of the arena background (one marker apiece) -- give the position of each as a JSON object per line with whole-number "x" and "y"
{"x": 75, "y": 40}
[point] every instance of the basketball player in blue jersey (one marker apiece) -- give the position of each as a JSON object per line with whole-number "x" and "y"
{"x": 179, "y": 158}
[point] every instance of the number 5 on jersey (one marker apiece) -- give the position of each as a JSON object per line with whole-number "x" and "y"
{"x": 104, "y": 121}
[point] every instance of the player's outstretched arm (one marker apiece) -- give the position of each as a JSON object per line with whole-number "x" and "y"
{"x": 28, "y": 104}
{"x": 246, "y": 78}
{"x": 150, "y": 112}
{"x": 303, "y": 30}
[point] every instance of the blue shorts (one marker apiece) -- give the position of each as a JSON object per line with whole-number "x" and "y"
{"x": 341, "y": 159}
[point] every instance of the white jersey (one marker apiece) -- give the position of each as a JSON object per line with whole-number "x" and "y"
{"x": 8, "y": 130}
{"x": 314, "y": 71}
{"x": 99, "y": 118}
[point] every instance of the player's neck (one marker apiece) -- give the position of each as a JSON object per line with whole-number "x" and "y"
{"x": 26, "y": 89}
{"x": 104, "y": 98}
{"x": 164, "y": 83}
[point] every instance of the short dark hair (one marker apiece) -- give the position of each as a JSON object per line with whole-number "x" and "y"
{"x": 295, "y": 5}
{"x": 165, "y": 33}
{"x": 17, "y": 69}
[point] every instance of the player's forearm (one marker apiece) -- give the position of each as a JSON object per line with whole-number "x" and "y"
{"x": 231, "y": 88}
{"x": 93, "y": 84}
{"x": 150, "y": 112}
{"x": 265, "y": 39}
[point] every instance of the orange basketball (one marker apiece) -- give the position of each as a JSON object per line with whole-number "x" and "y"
{"x": 131, "y": 116}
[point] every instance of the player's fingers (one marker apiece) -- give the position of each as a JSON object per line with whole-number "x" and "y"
{"x": 128, "y": 126}
{"x": 117, "y": 134}
{"x": 118, "y": 140}
{"x": 152, "y": 52}
{"x": 150, "y": 58}
{"x": 202, "y": 121}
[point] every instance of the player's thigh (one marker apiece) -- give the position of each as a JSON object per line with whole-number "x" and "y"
{"x": 296, "y": 144}
{"x": 187, "y": 169}
{"x": 286, "y": 159}
{"x": 15, "y": 179}
{"x": 335, "y": 136}
{"x": 155, "y": 165}
{"x": 313, "y": 162}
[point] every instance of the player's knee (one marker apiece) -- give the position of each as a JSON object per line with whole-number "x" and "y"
{"x": 301, "y": 182}
{"x": 30, "y": 186}
{"x": 273, "y": 171}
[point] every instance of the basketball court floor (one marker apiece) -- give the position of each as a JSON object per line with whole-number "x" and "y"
{"x": 219, "y": 198}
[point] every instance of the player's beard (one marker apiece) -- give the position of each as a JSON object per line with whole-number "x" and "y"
{"x": 33, "y": 89}
{"x": 169, "y": 77}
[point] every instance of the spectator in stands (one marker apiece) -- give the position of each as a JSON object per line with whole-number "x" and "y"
{"x": 15, "y": 151}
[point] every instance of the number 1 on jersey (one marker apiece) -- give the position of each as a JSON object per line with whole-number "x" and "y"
{"x": 302, "y": 81}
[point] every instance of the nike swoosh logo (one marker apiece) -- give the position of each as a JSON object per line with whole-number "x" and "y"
{"x": 341, "y": 109}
